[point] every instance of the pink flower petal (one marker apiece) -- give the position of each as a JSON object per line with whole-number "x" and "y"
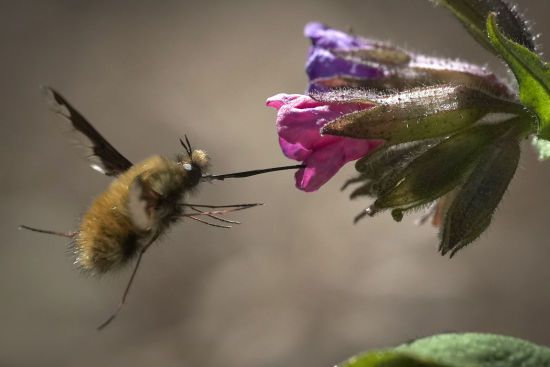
{"x": 321, "y": 166}
{"x": 300, "y": 118}
{"x": 324, "y": 163}
{"x": 299, "y": 121}
{"x": 294, "y": 150}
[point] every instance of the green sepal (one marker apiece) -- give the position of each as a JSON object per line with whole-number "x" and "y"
{"x": 387, "y": 157}
{"x": 405, "y": 70}
{"x": 439, "y": 170}
{"x": 457, "y": 350}
{"x": 378, "y": 168}
{"x": 346, "y": 95}
{"x": 420, "y": 75}
{"x": 472, "y": 207}
{"x": 418, "y": 114}
{"x": 532, "y": 74}
{"x": 379, "y": 53}
{"x": 473, "y": 15}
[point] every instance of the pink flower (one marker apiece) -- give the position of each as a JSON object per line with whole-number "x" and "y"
{"x": 299, "y": 121}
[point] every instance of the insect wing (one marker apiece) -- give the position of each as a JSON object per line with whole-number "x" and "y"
{"x": 105, "y": 158}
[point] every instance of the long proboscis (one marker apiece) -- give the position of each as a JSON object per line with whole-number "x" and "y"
{"x": 250, "y": 173}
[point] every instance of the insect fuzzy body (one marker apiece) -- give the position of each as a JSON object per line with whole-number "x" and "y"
{"x": 141, "y": 202}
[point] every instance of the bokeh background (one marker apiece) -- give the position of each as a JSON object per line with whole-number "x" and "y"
{"x": 297, "y": 284}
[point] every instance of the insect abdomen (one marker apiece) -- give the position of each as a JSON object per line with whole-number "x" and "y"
{"x": 107, "y": 237}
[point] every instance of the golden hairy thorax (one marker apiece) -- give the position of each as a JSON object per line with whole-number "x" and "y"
{"x": 108, "y": 237}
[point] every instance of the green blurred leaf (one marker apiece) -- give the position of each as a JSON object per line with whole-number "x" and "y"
{"x": 473, "y": 15}
{"x": 532, "y": 74}
{"x": 457, "y": 350}
{"x": 388, "y": 358}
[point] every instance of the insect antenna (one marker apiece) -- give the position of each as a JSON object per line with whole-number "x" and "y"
{"x": 129, "y": 285}
{"x": 187, "y": 146}
{"x": 250, "y": 173}
{"x": 55, "y": 233}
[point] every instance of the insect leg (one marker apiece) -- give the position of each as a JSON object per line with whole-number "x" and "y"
{"x": 55, "y": 233}
{"x": 216, "y": 217}
{"x": 129, "y": 285}
{"x": 214, "y": 212}
{"x": 208, "y": 223}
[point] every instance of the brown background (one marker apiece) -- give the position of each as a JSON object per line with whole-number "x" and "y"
{"x": 296, "y": 284}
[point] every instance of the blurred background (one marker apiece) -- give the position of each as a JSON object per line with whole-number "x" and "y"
{"x": 297, "y": 284}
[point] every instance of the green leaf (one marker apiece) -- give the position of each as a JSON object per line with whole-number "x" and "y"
{"x": 457, "y": 350}
{"x": 473, "y": 15}
{"x": 532, "y": 74}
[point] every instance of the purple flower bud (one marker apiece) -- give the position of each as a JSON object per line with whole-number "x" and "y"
{"x": 323, "y": 63}
{"x": 337, "y": 59}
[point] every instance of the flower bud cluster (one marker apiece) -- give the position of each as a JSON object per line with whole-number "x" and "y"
{"x": 425, "y": 131}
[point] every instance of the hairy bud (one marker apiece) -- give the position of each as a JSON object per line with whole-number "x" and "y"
{"x": 415, "y": 114}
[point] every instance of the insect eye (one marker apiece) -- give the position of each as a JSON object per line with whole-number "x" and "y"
{"x": 187, "y": 166}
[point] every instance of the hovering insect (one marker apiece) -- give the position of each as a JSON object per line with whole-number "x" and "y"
{"x": 140, "y": 204}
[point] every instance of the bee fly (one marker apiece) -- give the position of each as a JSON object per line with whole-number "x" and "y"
{"x": 140, "y": 204}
